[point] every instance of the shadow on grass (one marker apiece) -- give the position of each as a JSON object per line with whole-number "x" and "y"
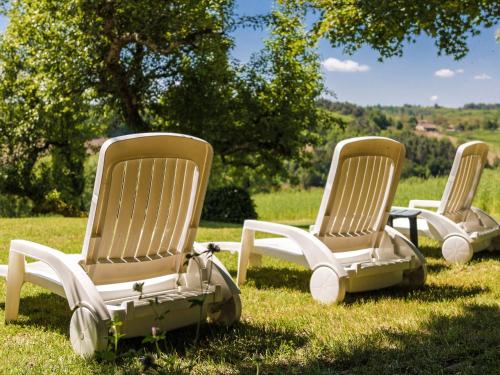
{"x": 236, "y": 345}
{"x": 464, "y": 343}
{"x": 426, "y": 293}
{"x": 279, "y": 278}
{"x": 486, "y": 255}
{"x": 438, "y": 263}
{"x": 434, "y": 268}
{"x": 44, "y": 310}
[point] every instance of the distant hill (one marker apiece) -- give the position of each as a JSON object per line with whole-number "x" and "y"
{"x": 430, "y": 134}
{"x": 479, "y": 121}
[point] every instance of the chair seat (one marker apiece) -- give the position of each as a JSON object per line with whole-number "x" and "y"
{"x": 363, "y": 272}
{"x": 288, "y": 250}
{"x": 42, "y": 274}
{"x": 379, "y": 266}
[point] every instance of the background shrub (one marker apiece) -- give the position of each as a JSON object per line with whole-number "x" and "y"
{"x": 229, "y": 204}
{"x": 15, "y": 206}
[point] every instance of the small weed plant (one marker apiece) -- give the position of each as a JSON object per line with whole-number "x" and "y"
{"x": 157, "y": 335}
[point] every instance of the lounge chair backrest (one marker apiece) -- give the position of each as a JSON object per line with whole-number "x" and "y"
{"x": 359, "y": 192}
{"x": 146, "y": 206}
{"x": 463, "y": 180}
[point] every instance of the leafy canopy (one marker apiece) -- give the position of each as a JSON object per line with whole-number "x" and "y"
{"x": 387, "y": 25}
{"x": 73, "y": 70}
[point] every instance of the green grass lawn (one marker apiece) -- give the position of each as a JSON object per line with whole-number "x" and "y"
{"x": 488, "y": 136}
{"x": 451, "y": 326}
{"x": 301, "y": 207}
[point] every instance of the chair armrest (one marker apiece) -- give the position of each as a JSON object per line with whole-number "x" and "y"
{"x": 315, "y": 251}
{"x": 79, "y": 289}
{"x": 488, "y": 220}
{"x": 414, "y": 203}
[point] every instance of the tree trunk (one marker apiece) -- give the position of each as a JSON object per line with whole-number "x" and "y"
{"x": 117, "y": 80}
{"x": 127, "y": 97}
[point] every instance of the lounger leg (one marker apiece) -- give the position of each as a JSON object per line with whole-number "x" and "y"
{"x": 247, "y": 243}
{"x": 15, "y": 279}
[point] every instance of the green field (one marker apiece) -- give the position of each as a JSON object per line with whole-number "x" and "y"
{"x": 448, "y": 327}
{"x": 300, "y": 207}
{"x": 490, "y": 137}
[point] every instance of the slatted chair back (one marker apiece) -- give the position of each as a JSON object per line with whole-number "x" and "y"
{"x": 463, "y": 181}
{"x": 359, "y": 192}
{"x": 146, "y": 206}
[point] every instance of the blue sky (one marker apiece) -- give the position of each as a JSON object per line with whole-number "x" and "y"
{"x": 419, "y": 77}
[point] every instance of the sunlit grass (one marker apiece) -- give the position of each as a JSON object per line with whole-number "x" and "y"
{"x": 301, "y": 207}
{"x": 448, "y": 327}
{"x": 490, "y": 137}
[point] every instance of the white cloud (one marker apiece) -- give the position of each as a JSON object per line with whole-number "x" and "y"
{"x": 434, "y": 98}
{"x": 447, "y": 73}
{"x": 346, "y": 66}
{"x": 482, "y": 77}
{"x": 444, "y": 73}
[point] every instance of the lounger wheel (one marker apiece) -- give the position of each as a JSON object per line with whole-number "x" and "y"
{"x": 457, "y": 249}
{"x": 229, "y": 312}
{"x": 87, "y": 333}
{"x": 326, "y": 286}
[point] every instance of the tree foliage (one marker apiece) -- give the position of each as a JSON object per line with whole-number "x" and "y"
{"x": 387, "y": 25}
{"x": 42, "y": 113}
{"x": 425, "y": 157}
{"x": 259, "y": 113}
{"x": 74, "y": 70}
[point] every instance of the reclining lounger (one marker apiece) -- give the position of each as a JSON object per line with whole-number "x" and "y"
{"x": 349, "y": 248}
{"x": 461, "y": 228}
{"x": 145, "y": 212}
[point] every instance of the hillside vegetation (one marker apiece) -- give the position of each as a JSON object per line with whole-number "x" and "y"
{"x": 428, "y": 154}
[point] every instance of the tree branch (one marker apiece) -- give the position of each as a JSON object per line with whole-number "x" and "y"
{"x": 118, "y": 43}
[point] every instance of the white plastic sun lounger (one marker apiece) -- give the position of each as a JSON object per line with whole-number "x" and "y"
{"x": 145, "y": 212}
{"x": 349, "y": 248}
{"x": 461, "y": 228}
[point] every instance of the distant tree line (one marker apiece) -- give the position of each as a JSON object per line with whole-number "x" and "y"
{"x": 482, "y": 106}
{"x": 425, "y": 157}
